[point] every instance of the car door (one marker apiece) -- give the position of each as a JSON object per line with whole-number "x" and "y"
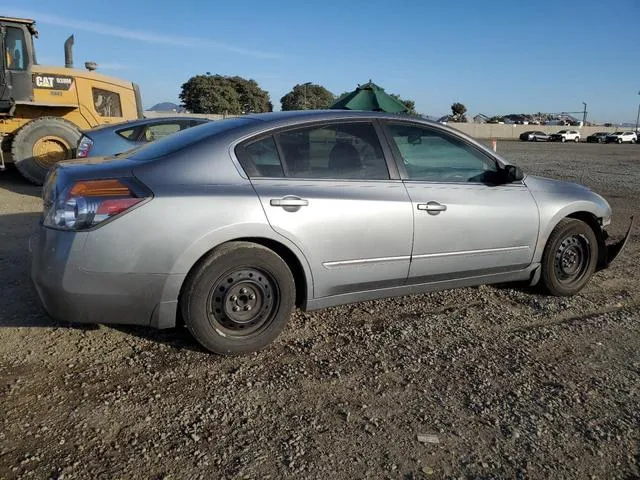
{"x": 327, "y": 188}
{"x": 467, "y": 223}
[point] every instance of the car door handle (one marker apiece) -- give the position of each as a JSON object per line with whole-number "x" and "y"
{"x": 432, "y": 208}
{"x": 288, "y": 202}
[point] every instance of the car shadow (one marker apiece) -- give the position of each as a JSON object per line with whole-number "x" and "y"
{"x": 20, "y": 306}
{"x": 178, "y": 338}
{"x": 11, "y": 180}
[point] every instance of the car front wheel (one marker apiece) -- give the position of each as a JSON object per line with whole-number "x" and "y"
{"x": 569, "y": 258}
{"x": 238, "y": 299}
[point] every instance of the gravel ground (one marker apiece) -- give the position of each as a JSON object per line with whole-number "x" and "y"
{"x": 489, "y": 382}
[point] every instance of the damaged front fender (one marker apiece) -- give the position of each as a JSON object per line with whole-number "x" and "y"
{"x": 612, "y": 250}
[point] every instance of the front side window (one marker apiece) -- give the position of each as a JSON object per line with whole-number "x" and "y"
{"x": 106, "y": 103}
{"x": 339, "y": 151}
{"x": 434, "y": 156}
{"x": 160, "y": 130}
{"x": 15, "y": 49}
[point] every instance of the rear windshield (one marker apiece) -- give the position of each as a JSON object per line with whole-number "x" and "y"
{"x": 185, "y": 138}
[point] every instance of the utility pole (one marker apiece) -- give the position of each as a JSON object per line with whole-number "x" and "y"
{"x": 584, "y": 115}
{"x": 305, "y": 93}
{"x": 638, "y": 117}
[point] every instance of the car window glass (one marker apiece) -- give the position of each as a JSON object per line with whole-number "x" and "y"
{"x": 261, "y": 159}
{"x": 160, "y": 130}
{"x": 338, "y": 151}
{"x": 129, "y": 133}
{"x": 434, "y": 156}
{"x": 106, "y": 103}
{"x": 15, "y": 49}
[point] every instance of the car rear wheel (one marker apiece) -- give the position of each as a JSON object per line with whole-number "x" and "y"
{"x": 563, "y": 139}
{"x": 619, "y": 140}
{"x": 238, "y": 299}
{"x": 569, "y": 258}
{"x": 576, "y": 139}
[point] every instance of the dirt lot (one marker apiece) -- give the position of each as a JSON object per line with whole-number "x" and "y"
{"x": 510, "y": 383}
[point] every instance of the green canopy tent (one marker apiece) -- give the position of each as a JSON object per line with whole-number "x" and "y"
{"x": 369, "y": 97}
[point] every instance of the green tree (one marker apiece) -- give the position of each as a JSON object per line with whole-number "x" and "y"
{"x": 252, "y": 98}
{"x": 220, "y": 94}
{"x": 410, "y": 104}
{"x": 307, "y": 97}
{"x": 458, "y": 110}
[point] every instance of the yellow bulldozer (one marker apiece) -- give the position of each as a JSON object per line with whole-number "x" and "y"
{"x": 43, "y": 109}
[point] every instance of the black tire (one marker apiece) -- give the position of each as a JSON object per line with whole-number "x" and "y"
{"x": 569, "y": 258}
{"x": 60, "y": 132}
{"x": 620, "y": 140}
{"x": 217, "y": 293}
{"x": 563, "y": 140}
{"x": 576, "y": 139}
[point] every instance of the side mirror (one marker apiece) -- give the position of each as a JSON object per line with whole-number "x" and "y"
{"x": 513, "y": 173}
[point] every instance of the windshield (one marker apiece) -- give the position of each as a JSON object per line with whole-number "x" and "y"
{"x": 618, "y": 133}
{"x": 185, "y": 138}
{"x": 562, "y": 131}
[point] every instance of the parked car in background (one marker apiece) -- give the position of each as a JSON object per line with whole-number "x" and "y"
{"x": 229, "y": 225}
{"x": 120, "y": 137}
{"x": 622, "y": 137}
{"x": 565, "y": 136}
{"x": 598, "y": 137}
{"x": 534, "y": 137}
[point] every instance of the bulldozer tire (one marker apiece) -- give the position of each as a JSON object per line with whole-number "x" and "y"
{"x": 42, "y": 143}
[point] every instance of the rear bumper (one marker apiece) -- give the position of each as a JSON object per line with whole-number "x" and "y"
{"x": 71, "y": 294}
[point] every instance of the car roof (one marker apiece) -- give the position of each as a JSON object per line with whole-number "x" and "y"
{"x": 310, "y": 115}
{"x": 298, "y": 117}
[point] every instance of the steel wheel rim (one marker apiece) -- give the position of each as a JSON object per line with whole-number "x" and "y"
{"x": 572, "y": 259}
{"x": 243, "y": 302}
{"x": 47, "y": 151}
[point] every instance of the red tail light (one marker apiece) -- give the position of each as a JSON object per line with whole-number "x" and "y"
{"x": 84, "y": 147}
{"x": 87, "y": 203}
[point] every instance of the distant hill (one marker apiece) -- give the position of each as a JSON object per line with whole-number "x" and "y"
{"x": 167, "y": 107}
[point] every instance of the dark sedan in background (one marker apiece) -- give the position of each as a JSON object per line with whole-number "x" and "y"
{"x": 534, "y": 137}
{"x": 120, "y": 137}
{"x": 598, "y": 137}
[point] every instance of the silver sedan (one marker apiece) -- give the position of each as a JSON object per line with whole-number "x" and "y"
{"x": 229, "y": 225}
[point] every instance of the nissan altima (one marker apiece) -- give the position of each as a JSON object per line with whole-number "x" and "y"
{"x": 229, "y": 225}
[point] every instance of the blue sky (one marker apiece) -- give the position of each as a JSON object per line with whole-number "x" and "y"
{"x": 494, "y": 56}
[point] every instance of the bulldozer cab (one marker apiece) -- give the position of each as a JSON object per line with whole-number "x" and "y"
{"x": 16, "y": 62}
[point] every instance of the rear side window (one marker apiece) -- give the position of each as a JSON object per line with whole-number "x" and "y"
{"x": 261, "y": 159}
{"x": 338, "y": 151}
{"x": 129, "y": 133}
{"x": 349, "y": 151}
{"x": 106, "y": 103}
